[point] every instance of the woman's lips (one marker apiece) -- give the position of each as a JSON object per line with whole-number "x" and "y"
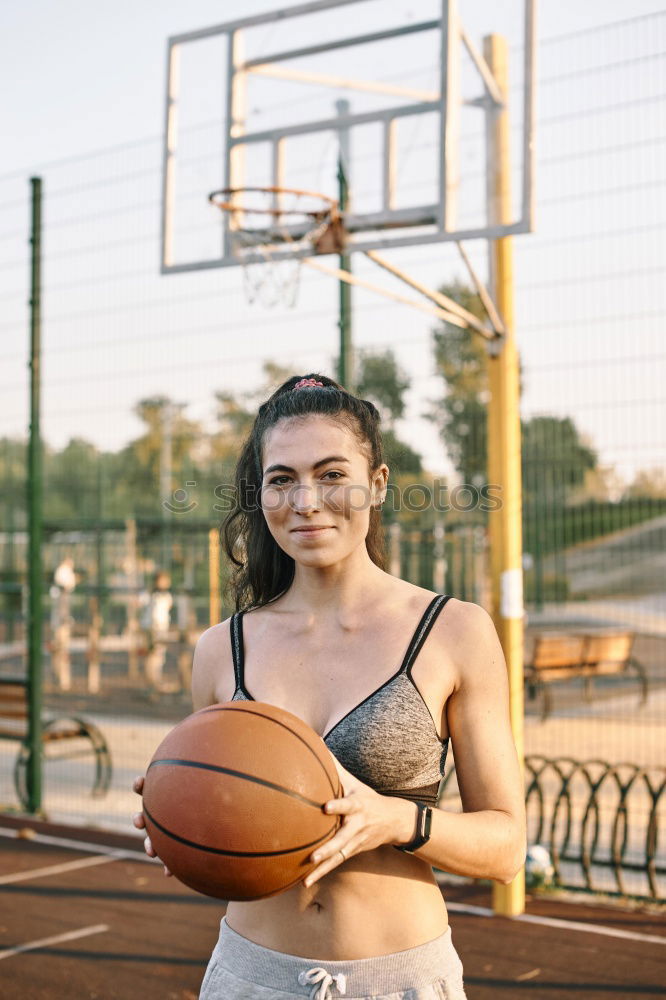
{"x": 311, "y": 531}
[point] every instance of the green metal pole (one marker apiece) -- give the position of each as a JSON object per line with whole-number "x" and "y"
{"x": 34, "y": 502}
{"x": 101, "y": 574}
{"x": 345, "y": 309}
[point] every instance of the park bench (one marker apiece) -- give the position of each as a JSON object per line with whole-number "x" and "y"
{"x": 560, "y": 657}
{"x": 63, "y": 738}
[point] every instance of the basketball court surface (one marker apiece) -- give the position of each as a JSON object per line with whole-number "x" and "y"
{"x": 98, "y": 921}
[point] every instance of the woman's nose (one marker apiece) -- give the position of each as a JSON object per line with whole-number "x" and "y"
{"x": 304, "y": 498}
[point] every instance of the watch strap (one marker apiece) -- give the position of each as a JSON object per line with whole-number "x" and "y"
{"x": 423, "y": 826}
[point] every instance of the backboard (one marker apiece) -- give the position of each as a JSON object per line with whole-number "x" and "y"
{"x": 397, "y": 94}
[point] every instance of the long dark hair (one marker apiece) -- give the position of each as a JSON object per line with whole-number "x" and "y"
{"x": 261, "y": 569}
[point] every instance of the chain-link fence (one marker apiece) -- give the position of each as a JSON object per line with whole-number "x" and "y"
{"x": 149, "y": 383}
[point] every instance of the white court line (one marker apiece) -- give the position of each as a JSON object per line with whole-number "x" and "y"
{"x": 66, "y": 866}
{"x": 56, "y": 939}
{"x": 78, "y": 845}
{"x": 576, "y": 925}
{"x": 479, "y": 911}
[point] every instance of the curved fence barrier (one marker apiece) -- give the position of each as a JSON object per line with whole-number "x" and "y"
{"x": 600, "y": 822}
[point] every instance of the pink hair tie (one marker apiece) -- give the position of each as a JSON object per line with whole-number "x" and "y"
{"x": 308, "y": 383}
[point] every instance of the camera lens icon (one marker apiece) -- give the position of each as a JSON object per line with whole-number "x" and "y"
{"x": 178, "y": 503}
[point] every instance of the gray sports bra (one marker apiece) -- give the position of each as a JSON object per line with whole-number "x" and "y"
{"x": 389, "y": 741}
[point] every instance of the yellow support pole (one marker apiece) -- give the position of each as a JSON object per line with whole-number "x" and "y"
{"x": 214, "y": 607}
{"x": 504, "y": 462}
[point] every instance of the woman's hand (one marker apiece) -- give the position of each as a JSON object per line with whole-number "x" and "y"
{"x": 370, "y": 820}
{"x": 140, "y": 823}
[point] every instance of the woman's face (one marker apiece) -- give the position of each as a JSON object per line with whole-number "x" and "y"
{"x": 317, "y": 490}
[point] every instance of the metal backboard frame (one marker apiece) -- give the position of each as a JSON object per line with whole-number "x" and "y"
{"x": 390, "y": 226}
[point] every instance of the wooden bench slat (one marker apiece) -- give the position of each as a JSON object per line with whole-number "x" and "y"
{"x": 14, "y": 712}
{"x": 561, "y": 656}
{"x": 557, "y": 651}
{"x": 11, "y": 692}
{"x": 608, "y": 648}
{"x": 8, "y": 732}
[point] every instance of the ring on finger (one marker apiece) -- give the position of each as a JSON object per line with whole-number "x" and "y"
{"x": 344, "y": 856}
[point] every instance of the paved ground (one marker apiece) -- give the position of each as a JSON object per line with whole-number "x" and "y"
{"x": 86, "y": 922}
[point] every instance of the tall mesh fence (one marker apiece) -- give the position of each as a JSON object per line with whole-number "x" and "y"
{"x": 148, "y": 382}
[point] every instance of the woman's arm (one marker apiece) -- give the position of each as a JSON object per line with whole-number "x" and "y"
{"x": 488, "y": 839}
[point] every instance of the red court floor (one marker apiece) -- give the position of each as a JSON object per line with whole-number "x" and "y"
{"x": 79, "y": 922}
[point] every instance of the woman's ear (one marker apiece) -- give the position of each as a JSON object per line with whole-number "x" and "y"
{"x": 379, "y": 484}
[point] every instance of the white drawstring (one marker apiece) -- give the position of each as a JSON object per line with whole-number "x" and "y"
{"x": 322, "y": 983}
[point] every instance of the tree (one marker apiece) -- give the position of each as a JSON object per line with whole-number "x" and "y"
{"x": 167, "y": 430}
{"x": 555, "y": 458}
{"x": 648, "y": 483}
{"x": 72, "y": 481}
{"x": 460, "y": 359}
{"x": 383, "y": 382}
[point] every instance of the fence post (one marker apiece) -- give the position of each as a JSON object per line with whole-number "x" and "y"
{"x": 132, "y": 573}
{"x": 35, "y": 513}
{"x": 394, "y": 549}
{"x": 504, "y": 457}
{"x": 439, "y": 567}
{"x": 94, "y": 634}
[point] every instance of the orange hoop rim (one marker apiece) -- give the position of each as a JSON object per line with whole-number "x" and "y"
{"x": 329, "y": 207}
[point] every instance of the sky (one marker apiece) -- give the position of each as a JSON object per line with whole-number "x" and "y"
{"x": 92, "y": 78}
{"x": 63, "y": 63}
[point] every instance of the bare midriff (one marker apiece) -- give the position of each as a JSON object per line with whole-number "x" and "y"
{"x": 377, "y": 903}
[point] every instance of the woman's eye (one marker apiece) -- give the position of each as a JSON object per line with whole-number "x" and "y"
{"x": 283, "y": 480}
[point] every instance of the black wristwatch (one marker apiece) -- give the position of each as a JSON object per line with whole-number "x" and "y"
{"x": 423, "y": 824}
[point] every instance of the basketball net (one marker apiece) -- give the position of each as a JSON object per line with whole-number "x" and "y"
{"x": 261, "y": 221}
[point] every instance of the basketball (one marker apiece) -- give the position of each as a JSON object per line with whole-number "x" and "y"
{"x": 233, "y": 800}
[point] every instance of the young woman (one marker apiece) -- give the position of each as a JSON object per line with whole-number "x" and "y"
{"x": 387, "y": 673}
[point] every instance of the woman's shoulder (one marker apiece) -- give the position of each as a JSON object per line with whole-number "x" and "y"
{"x": 460, "y": 614}
{"x": 212, "y": 665}
{"x": 467, "y": 634}
{"x": 461, "y": 627}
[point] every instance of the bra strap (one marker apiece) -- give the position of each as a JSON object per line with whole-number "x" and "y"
{"x": 422, "y": 632}
{"x": 237, "y": 651}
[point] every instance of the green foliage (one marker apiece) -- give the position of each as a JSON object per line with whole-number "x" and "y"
{"x": 383, "y": 382}
{"x": 551, "y": 527}
{"x": 460, "y": 359}
{"x": 554, "y": 457}
{"x": 551, "y": 588}
{"x": 649, "y": 483}
{"x": 401, "y": 459}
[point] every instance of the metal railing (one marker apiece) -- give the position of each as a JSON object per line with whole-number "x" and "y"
{"x": 599, "y": 821}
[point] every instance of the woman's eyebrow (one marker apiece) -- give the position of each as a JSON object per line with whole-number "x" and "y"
{"x": 322, "y": 461}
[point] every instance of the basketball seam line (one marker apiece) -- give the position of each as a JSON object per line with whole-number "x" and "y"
{"x": 230, "y": 707}
{"x": 179, "y": 762}
{"x": 237, "y": 854}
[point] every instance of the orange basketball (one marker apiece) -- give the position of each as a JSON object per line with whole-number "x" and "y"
{"x": 233, "y": 799}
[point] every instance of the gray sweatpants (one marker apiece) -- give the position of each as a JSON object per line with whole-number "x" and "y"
{"x": 239, "y": 969}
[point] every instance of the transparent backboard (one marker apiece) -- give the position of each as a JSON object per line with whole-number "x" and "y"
{"x": 397, "y": 94}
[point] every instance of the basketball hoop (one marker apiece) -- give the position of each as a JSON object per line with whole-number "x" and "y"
{"x": 262, "y": 220}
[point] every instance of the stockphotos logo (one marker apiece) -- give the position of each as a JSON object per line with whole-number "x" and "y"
{"x": 413, "y": 498}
